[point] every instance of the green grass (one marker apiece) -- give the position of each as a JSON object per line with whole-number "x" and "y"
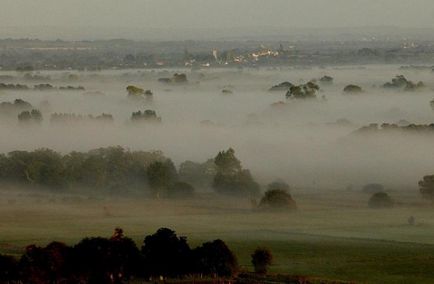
{"x": 325, "y": 238}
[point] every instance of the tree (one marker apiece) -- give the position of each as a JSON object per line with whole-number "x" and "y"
{"x": 231, "y": 178}
{"x": 8, "y": 269}
{"x": 216, "y": 259}
{"x": 126, "y": 260}
{"x": 353, "y": 89}
{"x": 166, "y": 254}
{"x": 135, "y": 91}
{"x": 34, "y": 116}
{"x": 46, "y": 265}
{"x": 261, "y": 259}
{"x": 227, "y": 163}
{"x": 426, "y": 187}
{"x": 380, "y": 200}
{"x": 161, "y": 175}
{"x": 304, "y": 91}
{"x": 277, "y": 199}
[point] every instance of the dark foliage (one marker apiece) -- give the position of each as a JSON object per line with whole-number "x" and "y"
{"x": 353, "y": 89}
{"x": 147, "y": 116}
{"x": 380, "y": 200}
{"x": 118, "y": 260}
{"x": 426, "y": 187}
{"x": 30, "y": 117}
{"x": 166, "y": 254}
{"x": 231, "y": 178}
{"x": 277, "y": 199}
{"x": 215, "y": 258}
{"x": 261, "y": 259}
{"x": 305, "y": 91}
{"x": 112, "y": 168}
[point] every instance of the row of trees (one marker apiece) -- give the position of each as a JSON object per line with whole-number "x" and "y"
{"x": 118, "y": 259}
{"x": 112, "y": 168}
{"x": 116, "y": 169}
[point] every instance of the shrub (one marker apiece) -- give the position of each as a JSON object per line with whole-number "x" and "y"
{"x": 380, "y": 200}
{"x": 261, "y": 259}
{"x": 277, "y": 199}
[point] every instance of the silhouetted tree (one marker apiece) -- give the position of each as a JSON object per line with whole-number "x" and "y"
{"x": 216, "y": 259}
{"x": 9, "y": 272}
{"x": 166, "y": 254}
{"x": 261, "y": 259}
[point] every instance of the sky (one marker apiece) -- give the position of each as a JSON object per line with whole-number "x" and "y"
{"x": 58, "y": 17}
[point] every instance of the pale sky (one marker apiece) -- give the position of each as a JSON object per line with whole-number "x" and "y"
{"x": 211, "y": 14}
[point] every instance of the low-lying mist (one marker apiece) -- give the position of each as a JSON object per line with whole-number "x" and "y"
{"x": 307, "y": 143}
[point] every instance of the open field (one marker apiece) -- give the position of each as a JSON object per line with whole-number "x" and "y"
{"x": 332, "y": 236}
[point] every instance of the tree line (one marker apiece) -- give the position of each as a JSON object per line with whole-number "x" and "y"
{"x": 117, "y": 259}
{"x": 117, "y": 170}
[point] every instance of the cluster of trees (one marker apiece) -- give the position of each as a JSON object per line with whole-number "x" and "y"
{"x": 304, "y": 91}
{"x": 111, "y": 168}
{"x": 400, "y": 82}
{"x": 147, "y": 116}
{"x": 375, "y": 128}
{"x": 118, "y": 260}
{"x": 39, "y": 87}
{"x": 17, "y": 87}
{"x": 49, "y": 87}
{"x": 137, "y": 92}
{"x": 74, "y": 118}
{"x": 33, "y": 116}
{"x": 115, "y": 169}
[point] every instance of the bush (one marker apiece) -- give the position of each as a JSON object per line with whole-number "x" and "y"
{"x": 261, "y": 259}
{"x": 353, "y": 89}
{"x": 277, "y": 199}
{"x": 380, "y": 200}
{"x": 215, "y": 259}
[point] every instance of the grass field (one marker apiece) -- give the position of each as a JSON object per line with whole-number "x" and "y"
{"x": 331, "y": 236}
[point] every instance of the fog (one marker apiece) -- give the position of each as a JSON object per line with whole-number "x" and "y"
{"x": 199, "y": 19}
{"x": 298, "y": 142}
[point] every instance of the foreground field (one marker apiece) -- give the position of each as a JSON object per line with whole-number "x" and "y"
{"x": 331, "y": 236}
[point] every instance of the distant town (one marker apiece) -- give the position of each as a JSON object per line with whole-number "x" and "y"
{"x": 34, "y": 54}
